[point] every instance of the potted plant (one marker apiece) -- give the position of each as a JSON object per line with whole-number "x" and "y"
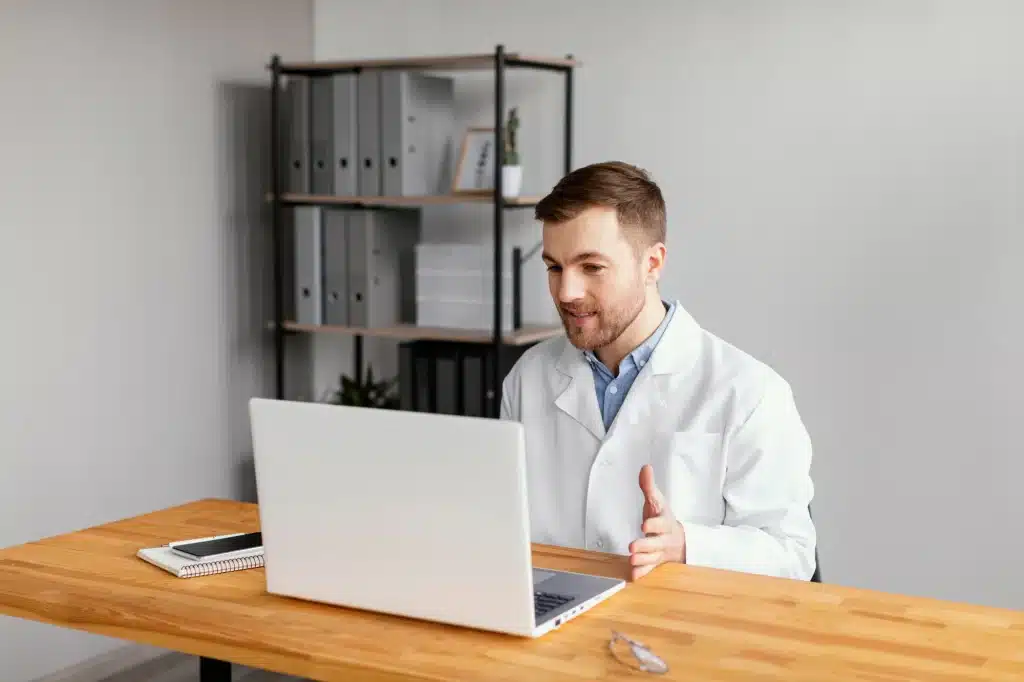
{"x": 511, "y": 171}
{"x": 365, "y": 392}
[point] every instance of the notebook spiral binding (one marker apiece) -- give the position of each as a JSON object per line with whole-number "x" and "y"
{"x": 222, "y": 566}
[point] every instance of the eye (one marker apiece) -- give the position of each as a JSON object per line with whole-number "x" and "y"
{"x": 591, "y": 268}
{"x": 554, "y": 268}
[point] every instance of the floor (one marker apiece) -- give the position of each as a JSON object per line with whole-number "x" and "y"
{"x": 148, "y": 666}
{"x": 180, "y": 668}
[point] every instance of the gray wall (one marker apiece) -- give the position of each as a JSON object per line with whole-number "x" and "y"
{"x": 844, "y": 190}
{"x": 134, "y": 265}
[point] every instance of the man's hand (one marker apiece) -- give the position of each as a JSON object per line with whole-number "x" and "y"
{"x": 664, "y": 538}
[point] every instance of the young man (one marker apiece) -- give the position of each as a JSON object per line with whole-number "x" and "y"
{"x": 645, "y": 434}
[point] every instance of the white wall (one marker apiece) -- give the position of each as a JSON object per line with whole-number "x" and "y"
{"x": 844, "y": 185}
{"x": 134, "y": 265}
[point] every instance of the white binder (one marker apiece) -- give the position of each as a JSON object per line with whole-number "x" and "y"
{"x": 417, "y": 127}
{"x": 381, "y": 266}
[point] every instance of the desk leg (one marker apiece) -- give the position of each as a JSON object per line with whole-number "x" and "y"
{"x": 212, "y": 670}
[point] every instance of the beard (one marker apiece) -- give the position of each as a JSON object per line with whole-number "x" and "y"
{"x": 601, "y": 326}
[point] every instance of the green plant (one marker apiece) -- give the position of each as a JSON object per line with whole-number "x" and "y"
{"x": 511, "y": 151}
{"x": 365, "y": 392}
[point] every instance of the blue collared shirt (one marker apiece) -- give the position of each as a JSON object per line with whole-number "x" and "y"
{"x": 612, "y": 390}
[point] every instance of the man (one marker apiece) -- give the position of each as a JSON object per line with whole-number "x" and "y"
{"x": 645, "y": 434}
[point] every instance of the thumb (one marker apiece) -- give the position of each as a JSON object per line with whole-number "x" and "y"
{"x": 652, "y": 496}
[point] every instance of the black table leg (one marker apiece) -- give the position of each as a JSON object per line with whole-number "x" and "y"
{"x": 212, "y": 670}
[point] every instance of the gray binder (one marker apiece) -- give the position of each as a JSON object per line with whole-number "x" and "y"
{"x": 417, "y": 123}
{"x": 333, "y": 134}
{"x": 295, "y": 116}
{"x": 321, "y": 150}
{"x": 345, "y": 114}
{"x": 368, "y": 121}
{"x": 381, "y": 269}
{"x": 335, "y": 241}
{"x": 308, "y": 249}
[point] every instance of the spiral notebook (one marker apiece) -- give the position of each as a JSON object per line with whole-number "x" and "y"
{"x": 184, "y": 567}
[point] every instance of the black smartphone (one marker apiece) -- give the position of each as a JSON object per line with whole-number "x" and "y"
{"x": 208, "y": 549}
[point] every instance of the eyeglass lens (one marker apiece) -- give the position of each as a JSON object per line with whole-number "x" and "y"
{"x": 635, "y": 654}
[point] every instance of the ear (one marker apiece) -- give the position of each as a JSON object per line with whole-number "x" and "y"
{"x": 655, "y": 262}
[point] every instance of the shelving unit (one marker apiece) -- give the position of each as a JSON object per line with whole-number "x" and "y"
{"x": 465, "y": 62}
{"x": 290, "y": 199}
{"x": 499, "y": 62}
{"x": 413, "y": 332}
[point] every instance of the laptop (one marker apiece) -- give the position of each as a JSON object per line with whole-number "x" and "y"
{"x": 406, "y": 513}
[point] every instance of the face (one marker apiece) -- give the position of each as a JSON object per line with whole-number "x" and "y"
{"x": 597, "y": 279}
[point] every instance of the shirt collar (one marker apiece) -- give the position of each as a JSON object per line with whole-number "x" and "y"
{"x": 642, "y": 353}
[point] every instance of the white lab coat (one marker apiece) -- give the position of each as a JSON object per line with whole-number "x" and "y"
{"x": 721, "y": 430}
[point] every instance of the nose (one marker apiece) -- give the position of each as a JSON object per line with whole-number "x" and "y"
{"x": 570, "y": 287}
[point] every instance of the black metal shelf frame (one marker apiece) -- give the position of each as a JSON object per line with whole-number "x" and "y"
{"x": 502, "y": 63}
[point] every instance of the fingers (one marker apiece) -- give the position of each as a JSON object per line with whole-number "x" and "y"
{"x": 653, "y": 500}
{"x": 654, "y": 543}
{"x": 657, "y": 525}
{"x": 646, "y": 477}
{"x": 653, "y": 507}
{"x": 647, "y": 552}
{"x": 638, "y": 572}
{"x": 646, "y": 559}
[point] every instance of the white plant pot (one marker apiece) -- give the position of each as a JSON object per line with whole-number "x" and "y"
{"x": 511, "y": 180}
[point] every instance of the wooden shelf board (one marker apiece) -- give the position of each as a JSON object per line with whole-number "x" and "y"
{"x": 410, "y": 332}
{"x": 399, "y": 201}
{"x": 428, "y": 62}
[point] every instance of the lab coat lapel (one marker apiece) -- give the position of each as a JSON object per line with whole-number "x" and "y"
{"x": 676, "y": 353}
{"x": 680, "y": 345}
{"x": 651, "y": 393}
{"x": 578, "y": 398}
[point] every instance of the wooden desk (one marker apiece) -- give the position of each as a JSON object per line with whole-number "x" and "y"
{"x": 707, "y": 624}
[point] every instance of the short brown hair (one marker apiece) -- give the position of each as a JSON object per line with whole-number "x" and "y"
{"x": 629, "y": 190}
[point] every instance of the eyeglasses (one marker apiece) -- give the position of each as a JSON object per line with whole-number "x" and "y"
{"x": 635, "y": 655}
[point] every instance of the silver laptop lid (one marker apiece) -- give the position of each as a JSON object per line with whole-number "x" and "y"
{"x": 416, "y": 514}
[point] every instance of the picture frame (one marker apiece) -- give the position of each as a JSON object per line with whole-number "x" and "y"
{"x": 474, "y": 170}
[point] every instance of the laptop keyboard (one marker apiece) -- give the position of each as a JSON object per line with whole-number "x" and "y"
{"x": 544, "y": 602}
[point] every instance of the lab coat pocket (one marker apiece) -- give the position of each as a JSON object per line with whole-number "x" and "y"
{"x": 694, "y": 478}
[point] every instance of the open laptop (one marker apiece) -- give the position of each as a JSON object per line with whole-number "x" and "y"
{"x": 407, "y": 513}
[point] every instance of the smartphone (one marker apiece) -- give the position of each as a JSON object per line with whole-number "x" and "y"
{"x": 225, "y": 547}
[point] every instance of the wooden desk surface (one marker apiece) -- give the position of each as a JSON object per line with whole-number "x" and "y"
{"x": 707, "y": 624}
